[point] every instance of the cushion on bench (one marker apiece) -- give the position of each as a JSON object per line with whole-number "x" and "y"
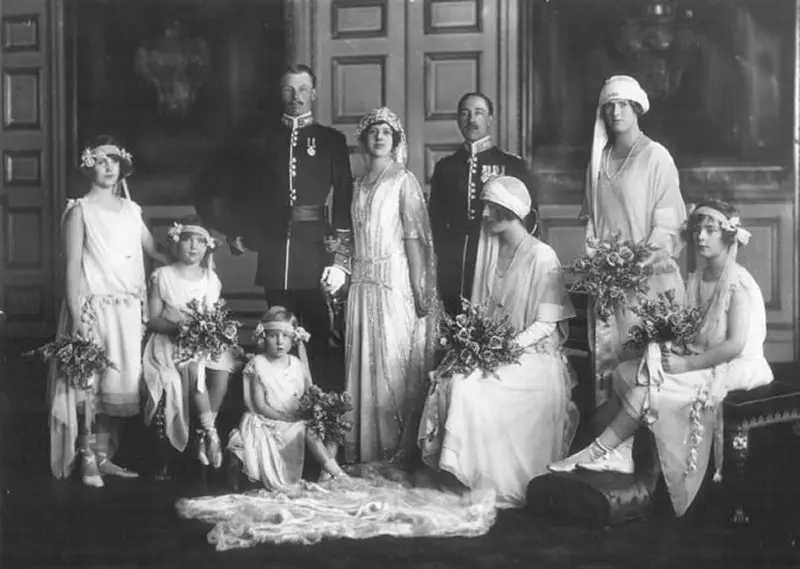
{"x": 599, "y": 498}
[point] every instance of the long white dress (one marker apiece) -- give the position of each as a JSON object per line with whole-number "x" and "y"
{"x": 388, "y": 348}
{"x": 270, "y": 450}
{"x": 160, "y": 373}
{"x": 500, "y": 432}
{"x": 672, "y": 402}
{"x": 642, "y": 201}
{"x": 112, "y": 295}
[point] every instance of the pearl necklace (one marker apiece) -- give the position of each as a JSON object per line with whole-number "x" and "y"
{"x": 606, "y": 165}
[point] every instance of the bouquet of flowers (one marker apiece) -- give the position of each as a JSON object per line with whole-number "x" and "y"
{"x": 612, "y": 272}
{"x": 208, "y": 332}
{"x": 324, "y": 413}
{"x": 77, "y": 360}
{"x": 474, "y": 340}
{"x": 664, "y": 321}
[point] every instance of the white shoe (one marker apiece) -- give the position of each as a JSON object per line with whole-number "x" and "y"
{"x": 618, "y": 460}
{"x": 589, "y": 454}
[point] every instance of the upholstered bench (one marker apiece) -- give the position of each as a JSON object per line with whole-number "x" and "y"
{"x": 600, "y": 499}
{"x": 773, "y": 404}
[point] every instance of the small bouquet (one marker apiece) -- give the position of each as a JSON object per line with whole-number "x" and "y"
{"x": 665, "y": 321}
{"x": 613, "y": 272}
{"x": 207, "y": 333}
{"x": 324, "y": 413}
{"x": 77, "y": 360}
{"x": 474, "y": 340}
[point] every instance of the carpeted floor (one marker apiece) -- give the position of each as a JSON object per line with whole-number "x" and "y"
{"x": 50, "y": 523}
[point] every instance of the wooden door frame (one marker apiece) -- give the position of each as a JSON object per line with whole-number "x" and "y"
{"x": 299, "y": 18}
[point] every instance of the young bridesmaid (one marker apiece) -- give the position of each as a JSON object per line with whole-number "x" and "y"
{"x": 271, "y": 439}
{"x": 170, "y": 383}
{"x": 104, "y": 239}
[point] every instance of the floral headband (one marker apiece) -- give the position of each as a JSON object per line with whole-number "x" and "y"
{"x": 297, "y": 332}
{"x": 90, "y": 156}
{"x": 178, "y": 229}
{"x": 732, "y": 225}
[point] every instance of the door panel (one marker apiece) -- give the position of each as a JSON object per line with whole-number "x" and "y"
{"x": 453, "y": 50}
{"x": 29, "y": 186}
{"x": 417, "y": 58}
{"x": 359, "y": 63}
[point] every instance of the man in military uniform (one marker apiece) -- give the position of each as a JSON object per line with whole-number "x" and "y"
{"x": 283, "y": 195}
{"x": 455, "y": 206}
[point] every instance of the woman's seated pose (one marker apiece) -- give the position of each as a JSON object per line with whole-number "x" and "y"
{"x": 728, "y": 354}
{"x": 272, "y": 436}
{"x": 501, "y": 431}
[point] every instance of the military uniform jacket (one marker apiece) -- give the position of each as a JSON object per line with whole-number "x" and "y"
{"x": 456, "y": 210}
{"x": 277, "y": 200}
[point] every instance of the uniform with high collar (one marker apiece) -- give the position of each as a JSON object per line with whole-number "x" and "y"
{"x": 283, "y": 190}
{"x": 456, "y": 211}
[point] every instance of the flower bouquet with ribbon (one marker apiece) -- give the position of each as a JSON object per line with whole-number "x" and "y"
{"x": 612, "y": 272}
{"x": 78, "y": 361}
{"x": 664, "y": 321}
{"x": 475, "y": 340}
{"x": 207, "y": 332}
{"x": 325, "y": 413}
{"x": 666, "y": 326}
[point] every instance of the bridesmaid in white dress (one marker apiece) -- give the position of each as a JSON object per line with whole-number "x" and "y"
{"x": 391, "y": 307}
{"x": 104, "y": 240}
{"x": 271, "y": 439}
{"x": 633, "y": 188}
{"x": 728, "y": 355}
{"x": 171, "y": 383}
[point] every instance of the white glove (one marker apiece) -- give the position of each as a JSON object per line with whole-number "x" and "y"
{"x": 333, "y": 279}
{"x": 535, "y": 332}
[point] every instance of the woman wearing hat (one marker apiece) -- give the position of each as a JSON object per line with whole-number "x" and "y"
{"x": 500, "y": 432}
{"x": 632, "y": 188}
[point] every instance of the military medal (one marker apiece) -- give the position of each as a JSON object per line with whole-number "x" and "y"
{"x": 491, "y": 171}
{"x": 311, "y": 146}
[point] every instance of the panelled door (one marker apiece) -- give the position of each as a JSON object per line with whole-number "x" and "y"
{"x": 32, "y": 112}
{"x": 416, "y": 57}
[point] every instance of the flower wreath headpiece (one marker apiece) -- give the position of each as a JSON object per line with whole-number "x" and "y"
{"x": 177, "y": 229}
{"x": 732, "y": 225}
{"x": 90, "y": 156}
{"x": 297, "y": 332}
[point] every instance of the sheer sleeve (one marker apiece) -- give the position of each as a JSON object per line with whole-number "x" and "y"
{"x": 669, "y": 210}
{"x": 413, "y": 213}
{"x": 417, "y": 225}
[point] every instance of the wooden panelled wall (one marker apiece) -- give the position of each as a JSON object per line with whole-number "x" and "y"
{"x": 31, "y": 142}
